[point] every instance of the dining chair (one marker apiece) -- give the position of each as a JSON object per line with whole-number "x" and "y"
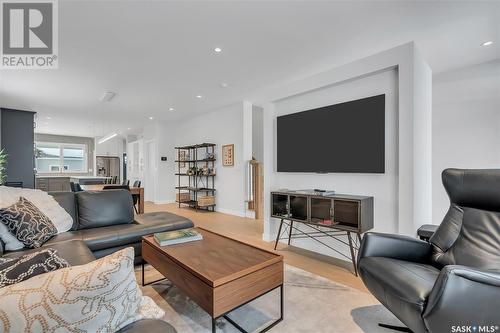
{"x": 116, "y": 187}
{"x": 135, "y": 197}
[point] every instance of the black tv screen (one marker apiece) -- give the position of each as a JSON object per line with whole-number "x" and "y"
{"x": 347, "y": 137}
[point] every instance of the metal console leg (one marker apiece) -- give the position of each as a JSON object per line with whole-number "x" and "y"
{"x": 279, "y": 234}
{"x": 349, "y": 237}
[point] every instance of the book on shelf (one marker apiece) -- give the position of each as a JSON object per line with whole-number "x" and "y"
{"x": 177, "y": 237}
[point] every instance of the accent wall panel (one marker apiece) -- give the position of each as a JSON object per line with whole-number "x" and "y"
{"x": 17, "y": 139}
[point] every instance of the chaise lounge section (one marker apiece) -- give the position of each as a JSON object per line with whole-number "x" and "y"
{"x": 104, "y": 223}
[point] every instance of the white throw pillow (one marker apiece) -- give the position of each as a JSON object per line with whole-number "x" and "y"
{"x": 11, "y": 242}
{"x": 42, "y": 200}
{"x": 102, "y": 296}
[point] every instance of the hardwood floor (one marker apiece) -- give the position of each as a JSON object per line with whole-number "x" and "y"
{"x": 250, "y": 231}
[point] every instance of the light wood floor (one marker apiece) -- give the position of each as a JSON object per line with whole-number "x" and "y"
{"x": 250, "y": 231}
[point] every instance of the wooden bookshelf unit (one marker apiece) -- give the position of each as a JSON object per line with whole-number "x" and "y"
{"x": 343, "y": 216}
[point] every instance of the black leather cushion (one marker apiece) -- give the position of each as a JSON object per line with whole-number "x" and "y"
{"x": 148, "y": 326}
{"x": 446, "y": 234}
{"x": 95, "y": 239}
{"x": 74, "y": 252}
{"x": 27, "y": 223}
{"x": 470, "y": 232}
{"x": 404, "y": 291}
{"x": 103, "y": 238}
{"x": 462, "y": 296}
{"x": 67, "y": 201}
{"x": 478, "y": 188}
{"x": 104, "y": 208}
{"x": 478, "y": 242}
{"x": 137, "y": 251}
{"x": 16, "y": 270}
{"x": 150, "y": 223}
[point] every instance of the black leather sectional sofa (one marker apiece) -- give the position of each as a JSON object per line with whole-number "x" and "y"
{"x": 104, "y": 222}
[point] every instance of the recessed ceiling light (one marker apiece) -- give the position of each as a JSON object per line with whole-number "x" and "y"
{"x": 170, "y": 109}
{"x": 128, "y": 128}
{"x": 217, "y": 50}
{"x": 199, "y": 96}
{"x": 48, "y": 118}
{"x": 151, "y": 118}
{"x": 223, "y": 85}
{"x": 487, "y": 43}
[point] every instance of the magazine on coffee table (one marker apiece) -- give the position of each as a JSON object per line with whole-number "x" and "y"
{"x": 177, "y": 237}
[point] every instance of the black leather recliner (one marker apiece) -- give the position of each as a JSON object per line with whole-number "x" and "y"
{"x": 454, "y": 280}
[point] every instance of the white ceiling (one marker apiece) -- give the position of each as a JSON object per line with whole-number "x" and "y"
{"x": 159, "y": 54}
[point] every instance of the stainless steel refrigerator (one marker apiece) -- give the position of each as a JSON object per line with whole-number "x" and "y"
{"x": 108, "y": 166}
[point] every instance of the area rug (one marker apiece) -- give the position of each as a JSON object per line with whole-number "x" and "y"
{"x": 312, "y": 304}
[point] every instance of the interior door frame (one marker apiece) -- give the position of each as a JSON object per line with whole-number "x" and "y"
{"x": 150, "y": 171}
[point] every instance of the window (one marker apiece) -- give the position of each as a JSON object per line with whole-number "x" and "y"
{"x": 60, "y": 157}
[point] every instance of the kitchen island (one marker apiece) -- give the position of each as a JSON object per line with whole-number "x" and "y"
{"x": 60, "y": 183}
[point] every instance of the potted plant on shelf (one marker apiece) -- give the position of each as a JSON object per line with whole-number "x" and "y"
{"x": 3, "y": 164}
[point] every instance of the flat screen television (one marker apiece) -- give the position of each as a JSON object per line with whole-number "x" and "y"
{"x": 347, "y": 137}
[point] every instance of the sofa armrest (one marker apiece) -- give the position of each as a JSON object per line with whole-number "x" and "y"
{"x": 394, "y": 246}
{"x": 149, "y": 326}
{"x": 463, "y": 296}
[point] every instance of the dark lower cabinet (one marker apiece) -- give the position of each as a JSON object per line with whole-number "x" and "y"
{"x": 353, "y": 213}
{"x": 17, "y": 138}
{"x": 53, "y": 184}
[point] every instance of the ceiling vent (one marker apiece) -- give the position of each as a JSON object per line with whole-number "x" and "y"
{"x": 107, "y": 96}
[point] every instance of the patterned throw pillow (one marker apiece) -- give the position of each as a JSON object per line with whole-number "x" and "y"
{"x": 27, "y": 223}
{"x": 101, "y": 296}
{"x": 25, "y": 267}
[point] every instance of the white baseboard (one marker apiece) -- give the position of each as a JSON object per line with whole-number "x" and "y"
{"x": 230, "y": 212}
{"x": 250, "y": 214}
{"x": 163, "y": 202}
{"x": 267, "y": 237}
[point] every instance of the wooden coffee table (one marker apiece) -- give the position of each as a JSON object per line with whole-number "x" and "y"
{"x": 220, "y": 274}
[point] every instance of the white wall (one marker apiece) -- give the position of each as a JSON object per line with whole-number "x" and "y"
{"x": 258, "y": 133}
{"x": 161, "y": 187}
{"x": 166, "y": 169}
{"x": 222, "y": 126}
{"x": 112, "y": 147}
{"x": 409, "y": 86}
{"x": 414, "y": 82}
{"x": 383, "y": 187}
{"x": 465, "y": 124}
